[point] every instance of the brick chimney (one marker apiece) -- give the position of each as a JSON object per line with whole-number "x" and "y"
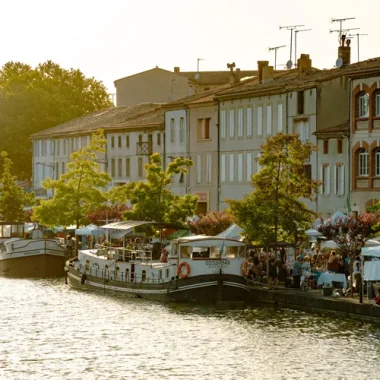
{"x": 344, "y": 50}
{"x": 176, "y": 69}
{"x": 304, "y": 64}
{"x": 267, "y": 74}
{"x": 260, "y": 66}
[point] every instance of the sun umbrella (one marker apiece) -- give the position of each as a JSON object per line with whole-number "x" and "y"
{"x": 312, "y": 232}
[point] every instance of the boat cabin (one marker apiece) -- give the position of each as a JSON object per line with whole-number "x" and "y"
{"x": 11, "y": 230}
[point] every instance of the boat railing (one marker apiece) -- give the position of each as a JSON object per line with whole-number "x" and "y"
{"x": 144, "y": 254}
{"x": 117, "y": 275}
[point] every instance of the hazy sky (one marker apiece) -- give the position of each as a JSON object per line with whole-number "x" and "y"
{"x": 110, "y": 39}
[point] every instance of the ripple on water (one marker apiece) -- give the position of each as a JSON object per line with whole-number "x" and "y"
{"x": 48, "y": 330}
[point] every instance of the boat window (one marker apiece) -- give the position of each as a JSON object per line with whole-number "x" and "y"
{"x": 160, "y": 274}
{"x": 201, "y": 252}
{"x": 3, "y": 248}
{"x": 185, "y": 252}
{"x": 174, "y": 250}
{"x": 143, "y": 276}
{"x": 167, "y": 273}
{"x": 127, "y": 274}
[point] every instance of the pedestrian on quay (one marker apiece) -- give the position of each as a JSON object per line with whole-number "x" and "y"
{"x": 297, "y": 271}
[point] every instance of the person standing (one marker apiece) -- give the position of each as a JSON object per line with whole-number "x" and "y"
{"x": 297, "y": 271}
{"x": 357, "y": 275}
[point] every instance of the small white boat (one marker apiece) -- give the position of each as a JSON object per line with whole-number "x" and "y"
{"x": 35, "y": 257}
{"x": 193, "y": 269}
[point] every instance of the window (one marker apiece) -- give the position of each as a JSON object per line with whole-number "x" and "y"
{"x": 363, "y": 104}
{"x": 199, "y": 168}
{"x": 240, "y": 122}
{"x": 232, "y": 167}
{"x": 377, "y": 104}
{"x": 377, "y": 162}
{"x": 300, "y": 102}
{"x": 223, "y": 168}
{"x": 44, "y": 148}
{"x": 269, "y": 120}
{"x": 240, "y": 167}
{"x": 172, "y": 130}
{"x": 181, "y": 130}
{"x": 119, "y": 167}
{"x": 209, "y": 168}
{"x": 363, "y": 162}
{"x": 325, "y": 146}
{"x": 112, "y": 142}
{"x": 232, "y": 123}
{"x": 119, "y": 141}
{"x": 158, "y": 138}
{"x": 249, "y": 166}
{"x": 326, "y": 179}
{"x": 223, "y": 124}
{"x": 140, "y": 167}
{"x": 307, "y": 171}
{"x": 249, "y": 122}
{"x": 64, "y": 146}
{"x": 203, "y": 129}
{"x": 279, "y": 118}
{"x": 257, "y": 161}
{"x": 127, "y": 141}
{"x": 51, "y": 148}
{"x": 113, "y": 167}
{"x": 339, "y": 180}
{"x": 339, "y": 146}
{"x": 260, "y": 121}
{"x": 127, "y": 167}
{"x": 58, "y": 143}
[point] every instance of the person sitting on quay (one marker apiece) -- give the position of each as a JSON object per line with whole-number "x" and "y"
{"x": 273, "y": 275}
{"x": 333, "y": 263}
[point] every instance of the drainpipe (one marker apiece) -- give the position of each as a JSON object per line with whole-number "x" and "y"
{"x": 218, "y": 158}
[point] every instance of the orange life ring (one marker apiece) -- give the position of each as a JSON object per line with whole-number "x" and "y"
{"x": 245, "y": 268}
{"x": 179, "y": 270}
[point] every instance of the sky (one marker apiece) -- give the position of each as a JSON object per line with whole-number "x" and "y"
{"x": 111, "y": 39}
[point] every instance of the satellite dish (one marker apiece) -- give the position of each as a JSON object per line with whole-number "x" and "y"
{"x": 339, "y": 63}
{"x": 196, "y": 76}
{"x": 289, "y": 64}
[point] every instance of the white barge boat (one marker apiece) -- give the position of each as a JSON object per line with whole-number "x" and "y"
{"x": 20, "y": 257}
{"x": 194, "y": 269}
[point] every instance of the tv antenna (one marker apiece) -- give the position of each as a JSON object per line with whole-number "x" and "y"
{"x": 275, "y": 48}
{"x": 357, "y": 35}
{"x": 295, "y": 43}
{"x": 341, "y": 30}
{"x": 199, "y": 59}
{"x": 291, "y": 28}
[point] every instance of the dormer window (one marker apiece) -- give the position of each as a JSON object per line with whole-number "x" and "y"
{"x": 363, "y": 105}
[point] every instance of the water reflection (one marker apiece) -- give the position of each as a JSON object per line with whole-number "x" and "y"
{"x": 48, "y": 330}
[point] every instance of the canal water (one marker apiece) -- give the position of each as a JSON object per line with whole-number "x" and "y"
{"x": 49, "y": 331}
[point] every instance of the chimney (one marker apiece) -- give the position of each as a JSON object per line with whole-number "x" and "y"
{"x": 267, "y": 74}
{"x": 304, "y": 64}
{"x": 344, "y": 50}
{"x": 176, "y": 69}
{"x": 260, "y": 66}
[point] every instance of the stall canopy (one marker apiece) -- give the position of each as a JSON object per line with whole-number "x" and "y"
{"x": 312, "y": 232}
{"x": 90, "y": 230}
{"x": 371, "y": 251}
{"x": 232, "y": 232}
{"x": 338, "y": 217}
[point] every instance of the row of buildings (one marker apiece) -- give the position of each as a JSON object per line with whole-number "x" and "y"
{"x": 221, "y": 119}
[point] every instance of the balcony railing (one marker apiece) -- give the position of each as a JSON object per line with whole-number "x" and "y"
{"x": 144, "y": 148}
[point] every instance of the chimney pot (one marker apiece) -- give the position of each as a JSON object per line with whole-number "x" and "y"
{"x": 260, "y": 66}
{"x": 304, "y": 64}
{"x": 176, "y": 69}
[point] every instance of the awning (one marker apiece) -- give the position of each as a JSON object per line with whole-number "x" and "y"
{"x": 91, "y": 229}
{"x": 371, "y": 251}
{"x": 130, "y": 224}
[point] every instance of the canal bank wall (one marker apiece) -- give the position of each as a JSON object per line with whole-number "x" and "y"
{"x": 314, "y": 301}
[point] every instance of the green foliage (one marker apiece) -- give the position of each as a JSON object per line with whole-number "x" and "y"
{"x": 32, "y": 100}
{"x": 151, "y": 200}
{"x": 13, "y": 198}
{"x": 106, "y": 213}
{"x": 76, "y": 193}
{"x": 212, "y": 223}
{"x": 274, "y": 207}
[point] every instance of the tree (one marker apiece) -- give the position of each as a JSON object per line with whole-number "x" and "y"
{"x": 275, "y": 207}
{"x": 13, "y": 198}
{"x": 106, "y": 213}
{"x": 32, "y": 100}
{"x": 212, "y": 223}
{"x": 351, "y": 233}
{"x": 151, "y": 200}
{"x": 76, "y": 193}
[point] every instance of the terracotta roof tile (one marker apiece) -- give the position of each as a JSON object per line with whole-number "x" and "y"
{"x": 106, "y": 118}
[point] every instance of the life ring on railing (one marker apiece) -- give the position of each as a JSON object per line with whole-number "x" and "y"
{"x": 245, "y": 268}
{"x": 179, "y": 270}
{"x": 83, "y": 279}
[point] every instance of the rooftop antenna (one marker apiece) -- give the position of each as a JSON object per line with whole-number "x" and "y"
{"x": 291, "y": 28}
{"x": 341, "y": 30}
{"x": 357, "y": 35}
{"x": 295, "y": 43}
{"x": 275, "y": 48}
{"x": 199, "y": 59}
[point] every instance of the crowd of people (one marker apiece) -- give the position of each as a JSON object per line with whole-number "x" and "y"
{"x": 274, "y": 268}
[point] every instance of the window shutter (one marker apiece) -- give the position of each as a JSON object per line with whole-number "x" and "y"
{"x": 223, "y": 168}
{"x": 279, "y": 118}
{"x": 269, "y": 120}
{"x": 240, "y": 167}
{"x": 249, "y": 122}
{"x": 259, "y": 121}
